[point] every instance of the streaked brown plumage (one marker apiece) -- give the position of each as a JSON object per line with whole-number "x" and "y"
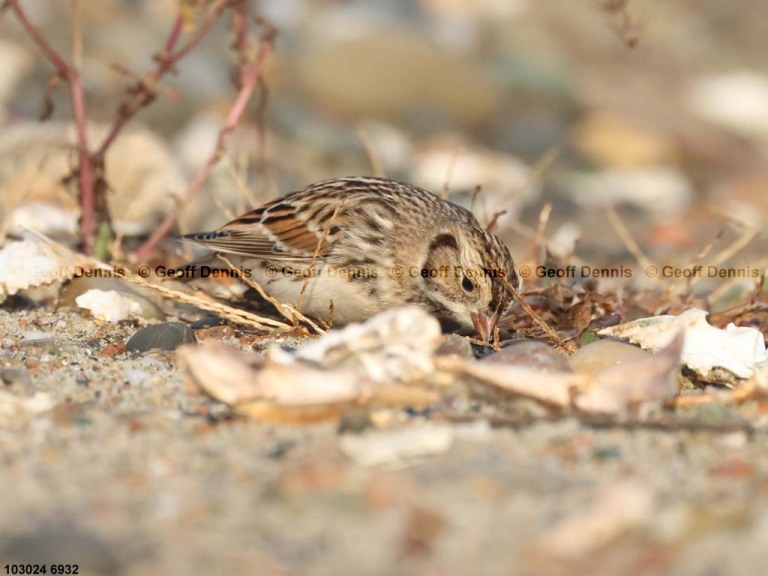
{"x": 369, "y": 244}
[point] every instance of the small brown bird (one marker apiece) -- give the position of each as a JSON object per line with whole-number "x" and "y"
{"x": 361, "y": 245}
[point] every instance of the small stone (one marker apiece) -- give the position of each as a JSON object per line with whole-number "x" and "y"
{"x": 35, "y": 336}
{"x": 455, "y": 345}
{"x": 604, "y": 354}
{"x": 11, "y": 376}
{"x": 165, "y": 336}
{"x": 532, "y": 354}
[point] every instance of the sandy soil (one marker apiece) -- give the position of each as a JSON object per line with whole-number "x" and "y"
{"x": 130, "y": 473}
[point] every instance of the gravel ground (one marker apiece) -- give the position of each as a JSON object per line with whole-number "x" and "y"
{"x": 131, "y": 473}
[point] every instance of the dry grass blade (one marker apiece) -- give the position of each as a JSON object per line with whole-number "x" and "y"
{"x": 627, "y": 239}
{"x": 370, "y": 149}
{"x": 286, "y": 310}
{"x": 227, "y": 312}
{"x": 731, "y": 250}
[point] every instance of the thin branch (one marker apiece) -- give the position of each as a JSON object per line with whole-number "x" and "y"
{"x": 144, "y": 91}
{"x": 71, "y": 75}
{"x": 250, "y": 77}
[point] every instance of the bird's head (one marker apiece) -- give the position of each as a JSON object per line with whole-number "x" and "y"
{"x": 465, "y": 275}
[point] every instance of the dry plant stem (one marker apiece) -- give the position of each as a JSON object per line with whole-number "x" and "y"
{"x": 559, "y": 342}
{"x": 674, "y": 287}
{"x": 721, "y": 290}
{"x": 71, "y": 75}
{"x": 238, "y": 177}
{"x": 537, "y": 240}
{"x": 739, "y": 396}
{"x": 627, "y": 239}
{"x": 249, "y": 77}
{"x": 233, "y": 314}
{"x": 143, "y": 92}
{"x": 449, "y": 172}
{"x": 731, "y": 250}
{"x": 286, "y": 310}
{"x": 370, "y": 149}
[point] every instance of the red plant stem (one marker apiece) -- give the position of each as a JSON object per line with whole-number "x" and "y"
{"x": 249, "y": 80}
{"x": 166, "y": 61}
{"x": 173, "y": 37}
{"x": 72, "y": 77}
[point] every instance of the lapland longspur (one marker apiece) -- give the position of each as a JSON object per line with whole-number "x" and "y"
{"x": 361, "y": 245}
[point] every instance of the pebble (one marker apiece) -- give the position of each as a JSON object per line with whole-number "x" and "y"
{"x": 455, "y": 345}
{"x": 530, "y": 353}
{"x": 165, "y": 336}
{"x": 603, "y": 354}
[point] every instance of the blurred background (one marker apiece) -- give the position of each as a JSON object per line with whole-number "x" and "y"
{"x": 658, "y": 110}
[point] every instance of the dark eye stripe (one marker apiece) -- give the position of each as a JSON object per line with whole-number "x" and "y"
{"x": 443, "y": 240}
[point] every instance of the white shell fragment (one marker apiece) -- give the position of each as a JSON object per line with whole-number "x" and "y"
{"x": 549, "y": 388}
{"x": 363, "y": 362}
{"x": 36, "y": 262}
{"x": 109, "y": 305}
{"x": 739, "y": 350}
{"x": 235, "y": 377}
{"x": 394, "y": 346}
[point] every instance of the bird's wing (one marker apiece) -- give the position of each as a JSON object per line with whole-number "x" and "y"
{"x": 281, "y": 230}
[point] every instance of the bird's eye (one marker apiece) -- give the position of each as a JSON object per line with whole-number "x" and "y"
{"x": 467, "y": 284}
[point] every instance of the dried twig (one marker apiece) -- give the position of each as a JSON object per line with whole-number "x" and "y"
{"x": 249, "y": 78}
{"x": 145, "y": 89}
{"x": 370, "y": 149}
{"x": 71, "y": 75}
{"x": 626, "y": 238}
{"x": 233, "y": 314}
{"x": 286, "y": 310}
{"x": 90, "y": 172}
{"x": 559, "y": 342}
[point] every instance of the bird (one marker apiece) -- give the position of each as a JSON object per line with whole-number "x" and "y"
{"x": 350, "y": 247}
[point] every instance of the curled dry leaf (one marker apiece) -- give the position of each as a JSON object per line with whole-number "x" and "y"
{"x": 37, "y": 261}
{"x": 738, "y": 350}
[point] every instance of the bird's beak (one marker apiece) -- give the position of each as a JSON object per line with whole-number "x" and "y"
{"x": 485, "y": 325}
